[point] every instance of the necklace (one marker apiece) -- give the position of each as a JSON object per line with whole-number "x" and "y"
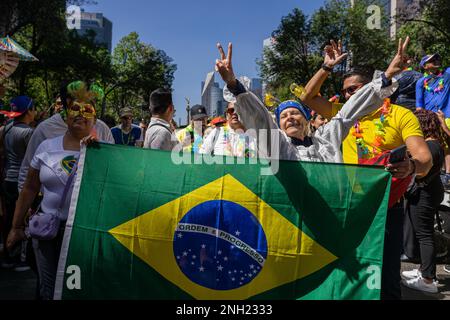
{"x": 197, "y": 142}
{"x": 128, "y": 138}
{"x": 239, "y": 148}
{"x": 380, "y": 132}
{"x": 440, "y": 87}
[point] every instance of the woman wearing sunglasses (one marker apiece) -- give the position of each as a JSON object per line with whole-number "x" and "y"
{"x": 53, "y": 171}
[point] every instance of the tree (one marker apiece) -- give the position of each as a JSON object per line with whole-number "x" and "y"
{"x": 39, "y": 26}
{"x": 140, "y": 69}
{"x": 290, "y": 59}
{"x": 299, "y": 44}
{"x": 427, "y": 23}
{"x": 339, "y": 20}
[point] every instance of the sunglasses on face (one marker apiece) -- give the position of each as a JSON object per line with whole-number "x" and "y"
{"x": 351, "y": 90}
{"x": 85, "y": 110}
{"x": 230, "y": 111}
{"x": 435, "y": 61}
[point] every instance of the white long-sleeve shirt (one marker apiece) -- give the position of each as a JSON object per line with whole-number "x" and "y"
{"x": 327, "y": 140}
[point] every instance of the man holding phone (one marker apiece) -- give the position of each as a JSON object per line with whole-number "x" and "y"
{"x": 372, "y": 137}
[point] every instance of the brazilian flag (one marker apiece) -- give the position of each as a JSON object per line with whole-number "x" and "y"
{"x": 143, "y": 226}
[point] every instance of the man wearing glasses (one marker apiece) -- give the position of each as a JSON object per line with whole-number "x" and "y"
{"x": 127, "y": 133}
{"x": 387, "y": 128}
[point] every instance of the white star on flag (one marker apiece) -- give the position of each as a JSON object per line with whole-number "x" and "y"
{"x": 180, "y": 235}
{"x": 219, "y": 252}
{"x": 203, "y": 246}
{"x": 201, "y": 269}
{"x": 219, "y": 268}
{"x": 252, "y": 266}
{"x": 185, "y": 254}
{"x": 237, "y": 233}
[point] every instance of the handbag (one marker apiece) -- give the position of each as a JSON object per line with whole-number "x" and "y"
{"x": 45, "y": 226}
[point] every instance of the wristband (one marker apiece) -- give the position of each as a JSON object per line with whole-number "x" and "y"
{"x": 327, "y": 68}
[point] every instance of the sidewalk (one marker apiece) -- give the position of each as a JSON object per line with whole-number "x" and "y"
{"x": 22, "y": 285}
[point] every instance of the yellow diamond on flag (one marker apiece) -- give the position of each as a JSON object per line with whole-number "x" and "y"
{"x": 222, "y": 241}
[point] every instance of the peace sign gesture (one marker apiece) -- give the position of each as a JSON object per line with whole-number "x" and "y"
{"x": 400, "y": 60}
{"x": 334, "y": 54}
{"x": 224, "y": 65}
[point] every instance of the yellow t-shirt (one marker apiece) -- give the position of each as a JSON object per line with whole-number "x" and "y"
{"x": 400, "y": 124}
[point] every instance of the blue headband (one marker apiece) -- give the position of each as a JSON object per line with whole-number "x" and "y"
{"x": 292, "y": 104}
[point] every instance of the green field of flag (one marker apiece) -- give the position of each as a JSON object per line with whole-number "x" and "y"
{"x": 142, "y": 227}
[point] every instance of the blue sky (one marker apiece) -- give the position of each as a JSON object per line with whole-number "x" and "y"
{"x": 187, "y": 30}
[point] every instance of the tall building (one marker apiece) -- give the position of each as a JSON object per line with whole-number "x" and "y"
{"x": 100, "y": 25}
{"x": 212, "y": 99}
{"x": 217, "y": 101}
{"x": 393, "y": 8}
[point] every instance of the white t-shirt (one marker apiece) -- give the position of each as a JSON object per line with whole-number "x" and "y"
{"x": 55, "y": 165}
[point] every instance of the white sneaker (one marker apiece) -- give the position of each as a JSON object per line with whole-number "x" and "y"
{"x": 420, "y": 284}
{"x": 447, "y": 268}
{"x": 412, "y": 274}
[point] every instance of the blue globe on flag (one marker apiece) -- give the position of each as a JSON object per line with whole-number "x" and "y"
{"x": 220, "y": 245}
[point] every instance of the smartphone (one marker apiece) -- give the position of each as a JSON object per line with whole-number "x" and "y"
{"x": 398, "y": 155}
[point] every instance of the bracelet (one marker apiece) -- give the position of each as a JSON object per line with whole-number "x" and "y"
{"x": 327, "y": 68}
{"x": 414, "y": 167}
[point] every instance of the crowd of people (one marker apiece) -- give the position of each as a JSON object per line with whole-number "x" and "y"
{"x": 382, "y": 112}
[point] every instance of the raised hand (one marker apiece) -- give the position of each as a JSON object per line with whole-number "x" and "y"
{"x": 400, "y": 60}
{"x": 333, "y": 54}
{"x": 224, "y": 65}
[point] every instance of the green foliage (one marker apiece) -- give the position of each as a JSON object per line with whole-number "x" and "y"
{"x": 140, "y": 69}
{"x": 429, "y": 29}
{"x": 127, "y": 77}
{"x": 297, "y": 54}
{"x": 290, "y": 59}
